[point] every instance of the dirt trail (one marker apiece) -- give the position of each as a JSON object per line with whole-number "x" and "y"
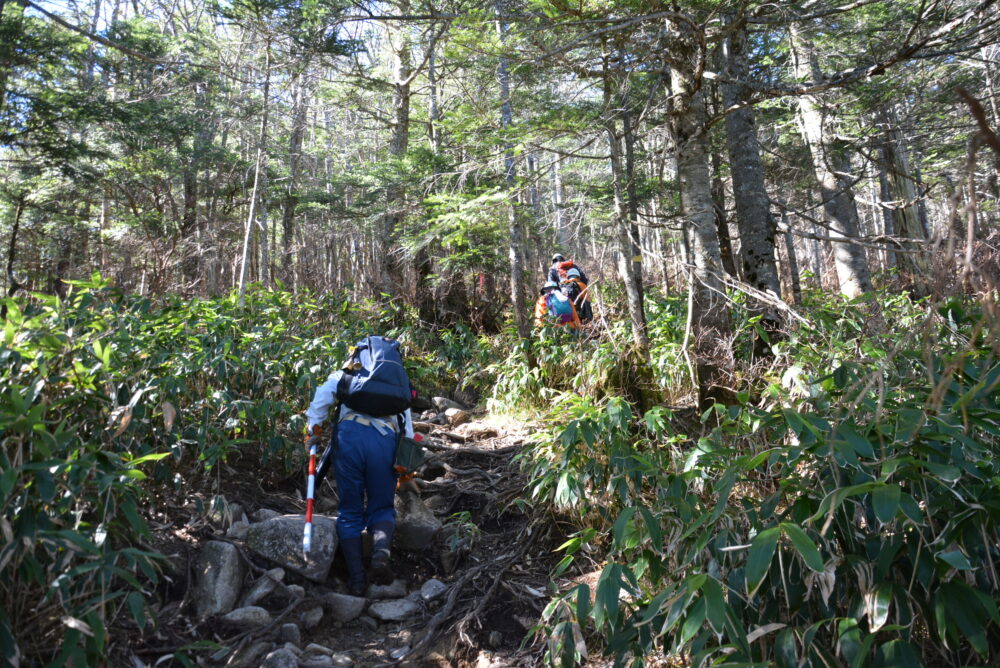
{"x": 494, "y": 563}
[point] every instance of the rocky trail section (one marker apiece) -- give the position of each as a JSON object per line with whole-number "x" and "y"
{"x": 470, "y": 566}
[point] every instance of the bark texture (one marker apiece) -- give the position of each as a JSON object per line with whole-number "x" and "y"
{"x": 831, "y": 164}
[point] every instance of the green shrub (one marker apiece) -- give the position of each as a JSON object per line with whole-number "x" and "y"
{"x": 851, "y": 518}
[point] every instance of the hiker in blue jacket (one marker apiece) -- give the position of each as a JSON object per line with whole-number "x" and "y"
{"x": 364, "y": 455}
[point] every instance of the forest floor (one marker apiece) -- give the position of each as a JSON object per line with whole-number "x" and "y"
{"x": 495, "y": 558}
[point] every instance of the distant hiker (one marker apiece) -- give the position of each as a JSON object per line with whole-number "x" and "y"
{"x": 573, "y": 287}
{"x": 560, "y": 265}
{"x": 372, "y": 396}
{"x": 554, "y": 308}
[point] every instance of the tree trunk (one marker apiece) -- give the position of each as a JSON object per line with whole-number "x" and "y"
{"x": 753, "y": 207}
{"x": 903, "y": 192}
{"x": 258, "y": 166}
{"x": 388, "y": 265}
{"x": 516, "y": 239}
{"x": 300, "y": 108}
{"x": 711, "y": 325}
{"x": 627, "y": 243}
{"x": 721, "y": 223}
{"x": 831, "y": 164}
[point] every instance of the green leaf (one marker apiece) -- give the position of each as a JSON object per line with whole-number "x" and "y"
{"x": 955, "y": 559}
{"x": 786, "y": 649}
{"x": 885, "y": 501}
{"x": 759, "y": 558}
{"x": 804, "y": 545}
{"x": 716, "y": 603}
{"x": 137, "y": 606}
{"x": 877, "y": 604}
{"x": 898, "y": 654}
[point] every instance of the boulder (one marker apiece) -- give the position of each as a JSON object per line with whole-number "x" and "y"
{"x": 397, "y": 589}
{"x": 457, "y": 416}
{"x": 444, "y": 403}
{"x": 218, "y": 577}
{"x": 279, "y": 540}
{"x": 263, "y": 586}
{"x": 238, "y": 530}
{"x": 249, "y": 617}
{"x": 264, "y": 514}
{"x": 344, "y": 608}
{"x": 432, "y": 589}
{"x": 280, "y": 658}
{"x": 296, "y": 591}
{"x": 416, "y": 525}
{"x": 394, "y": 611}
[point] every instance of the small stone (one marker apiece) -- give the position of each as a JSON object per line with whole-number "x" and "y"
{"x": 344, "y": 608}
{"x": 395, "y": 590}
{"x": 342, "y": 661}
{"x": 394, "y": 611}
{"x": 443, "y": 404}
{"x": 293, "y": 649}
{"x": 250, "y": 657}
{"x": 314, "y": 648}
{"x": 280, "y": 658}
{"x": 248, "y": 617}
{"x": 457, "y": 416}
{"x": 290, "y": 633}
{"x": 370, "y": 622}
{"x": 432, "y": 589}
{"x": 424, "y": 427}
{"x": 236, "y": 511}
{"x": 298, "y": 591}
{"x": 311, "y": 618}
{"x": 264, "y": 514}
{"x": 239, "y": 530}
{"x": 399, "y": 653}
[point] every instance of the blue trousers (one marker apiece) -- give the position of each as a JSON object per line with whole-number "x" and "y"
{"x": 366, "y": 479}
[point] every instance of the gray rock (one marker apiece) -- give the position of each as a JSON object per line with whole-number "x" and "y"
{"x": 416, "y": 525}
{"x": 395, "y": 590}
{"x": 495, "y": 639}
{"x": 290, "y": 633}
{"x": 294, "y": 649}
{"x": 218, "y": 578}
{"x": 279, "y": 540}
{"x": 444, "y": 403}
{"x": 297, "y": 591}
{"x": 414, "y": 596}
{"x": 312, "y": 617}
{"x": 236, "y": 512}
{"x": 280, "y": 658}
{"x": 436, "y": 503}
{"x": 317, "y": 661}
{"x": 342, "y": 661}
{"x": 399, "y": 653}
{"x": 432, "y": 589}
{"x": 263, "y": 586}
{"x": 249, "y": 657}
{"x": 394, "y": 611}
{"x": 264, "y": 514}
{"x": 368, "y": 621}
{"x": 239, "y": 530}
{"x": 218, "y": 513}
{"x": 344, "y": 608}
{"x": 457, "y": 416}
{"x": 247, "y": 618}
{"x": 315, "y": 648}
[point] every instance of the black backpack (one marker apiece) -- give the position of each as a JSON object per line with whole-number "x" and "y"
{"x": 375, "y": 382}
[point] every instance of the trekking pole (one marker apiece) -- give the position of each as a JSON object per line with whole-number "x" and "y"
{"x": 310, "y": 493}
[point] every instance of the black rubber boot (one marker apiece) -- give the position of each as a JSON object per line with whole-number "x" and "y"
{"x": 354, "y": 557}
{"x": 381, "y": 543}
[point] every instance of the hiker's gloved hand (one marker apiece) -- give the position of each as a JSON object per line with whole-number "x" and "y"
{"x": 315, "y": 437}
